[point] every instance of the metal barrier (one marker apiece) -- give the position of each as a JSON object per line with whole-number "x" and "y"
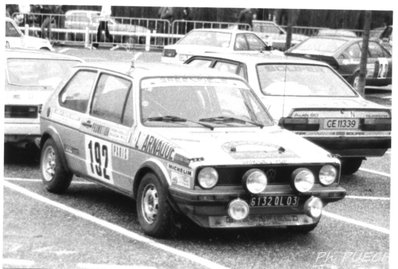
{"x": 142, "y": 33}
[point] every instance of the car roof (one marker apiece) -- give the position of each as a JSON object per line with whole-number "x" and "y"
{"x": 141, "y": 69}
{"x": 82, "y": 11}
{"x": 260, "y": 57}
{"x": 34, "y": 54}
{"x": 223, "y": 30}
{"x": 337, "y": 32}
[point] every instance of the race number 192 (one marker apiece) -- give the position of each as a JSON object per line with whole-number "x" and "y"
{"x": 98, "y": 159}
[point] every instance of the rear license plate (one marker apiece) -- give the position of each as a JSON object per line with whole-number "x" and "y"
{"x": 341, "y": 124}
{"x": 274, "y": 201}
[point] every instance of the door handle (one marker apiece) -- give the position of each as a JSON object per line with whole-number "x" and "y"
{"x": 87, "y": 124}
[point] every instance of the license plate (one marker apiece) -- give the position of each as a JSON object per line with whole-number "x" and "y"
{"x": 274, "y": 201}
{"x": 341, "y": 124}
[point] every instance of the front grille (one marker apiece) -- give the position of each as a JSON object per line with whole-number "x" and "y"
{"x": 15, "y": 111}
{"x": 276, "y": 174}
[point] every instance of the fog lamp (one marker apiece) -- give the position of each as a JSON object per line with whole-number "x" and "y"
{"x": 238, "y": 209}
{"x": 313, "y": 207}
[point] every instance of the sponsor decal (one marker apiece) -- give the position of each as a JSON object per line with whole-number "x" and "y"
{"x": 180, "y": 176}
{"x": 154, "y": 146}
{"x": 120, "y": 152}
{"x": 100, "y": 129}
{"x": 72, "y": 150}
{"x": 66, "y": 117}
{"x": 255, "y": 150}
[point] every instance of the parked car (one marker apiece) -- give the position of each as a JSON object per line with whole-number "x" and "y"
{"x": 383, "y": 35}
{"x": 30, "y": 78}
{"x": 16, "y": 39}
{"x": 213, "y": 40}
{"x": 82, "y": 19}
{"x": 312, "y": 100}
{"x": 269, "y": 31}
{"x": 184, "y": 143}
{"x": 344, "y": 55}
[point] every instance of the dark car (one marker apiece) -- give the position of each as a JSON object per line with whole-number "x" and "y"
{"x": 344, "y": 55}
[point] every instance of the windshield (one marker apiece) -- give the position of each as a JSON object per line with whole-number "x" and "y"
{"x": 320, "y": 45}
{"x": 301, "y": 80}
{"x": 38, "y": 72}
{"x": 199, "y": 102}
{"x": 202, "y": 38}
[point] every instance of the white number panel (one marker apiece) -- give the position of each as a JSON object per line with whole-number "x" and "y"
{"x": 383, "y": 67}
{"x": 98, "y": 159}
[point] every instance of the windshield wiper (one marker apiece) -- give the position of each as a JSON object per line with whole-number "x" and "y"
{"x": 230, "y": 119}
{"x": 169, "y": 118}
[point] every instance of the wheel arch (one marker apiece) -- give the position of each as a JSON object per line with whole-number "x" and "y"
{"x": 54, "y": 135}
{"x": 151, "y": 166}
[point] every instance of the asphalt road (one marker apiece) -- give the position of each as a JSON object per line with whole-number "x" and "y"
{"x": 92, "y": 227}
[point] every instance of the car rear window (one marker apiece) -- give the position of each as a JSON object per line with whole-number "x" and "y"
{"x": 38, "y": 72}
{"x": 320, "y": 45}
{"x": 202, "y": 38}
{"x": 301, "y": 80}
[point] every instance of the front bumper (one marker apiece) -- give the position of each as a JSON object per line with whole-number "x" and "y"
{"x": 21, "y": 132}
{"x": 209, "y": 208}
{"x": 354, "y": 146}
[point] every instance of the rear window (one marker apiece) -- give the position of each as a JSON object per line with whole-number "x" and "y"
{"x": 301, "y": 80}
{"x": 320, "y": 45}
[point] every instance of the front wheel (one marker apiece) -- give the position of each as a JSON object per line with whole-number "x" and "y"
{"x": 350, "y": 165}
{"x": 154, "y": 212}
{"x": 54, "y": 175}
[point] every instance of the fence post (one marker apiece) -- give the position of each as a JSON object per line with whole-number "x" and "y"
{"x": 148, "y": 40}
{"x": 86, "y": 38}
{"x": 27, "y": 29}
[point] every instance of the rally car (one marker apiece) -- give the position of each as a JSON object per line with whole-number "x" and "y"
{"x": 311, "y": 99}
{"x": 184, "y": 143}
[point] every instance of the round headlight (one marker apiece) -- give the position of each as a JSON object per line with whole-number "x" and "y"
{"x": 255, "y": 181}
{"x": 303, "y": 179}
{"x": 327, "y": 174}
{"x": 208, "y": 177}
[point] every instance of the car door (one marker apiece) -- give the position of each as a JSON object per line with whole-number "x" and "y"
{"x": 107, "y": 131}
{"x": 73, "y": 103}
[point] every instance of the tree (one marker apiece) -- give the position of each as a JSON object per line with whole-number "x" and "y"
{"x": 364, "y": 53}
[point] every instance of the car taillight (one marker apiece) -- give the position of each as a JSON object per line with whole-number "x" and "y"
{"x": 377, "y": 124}
{"x": 302, "y": 124}
{"x": 21, "y": 111}
{"x": 169, "y": 53}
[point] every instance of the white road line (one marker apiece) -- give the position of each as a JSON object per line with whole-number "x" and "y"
{"x": 17, "y": 263}
{"x": 39, "y": 180}
{"x": 111, "y": 266}
{"x": 367, "y": 197}
{"x": 375, "y": 172}
{"x": 115, "y": 228}
{"x": 356, "y": 222}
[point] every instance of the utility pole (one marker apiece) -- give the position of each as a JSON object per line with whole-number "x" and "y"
{"x": 364, "y": 53}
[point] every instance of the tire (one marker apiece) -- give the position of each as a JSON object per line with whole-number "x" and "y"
{"x": 302, "y": 229}
{"x": 54, "y": 175}
{"x": 154, "y": 212}
{"x": 350, "y": 165}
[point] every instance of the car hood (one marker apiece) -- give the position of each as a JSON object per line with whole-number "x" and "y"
{"x": 25, "y": 96}
{"x": 283, "y": 107}
{"x": 243, "y": 146}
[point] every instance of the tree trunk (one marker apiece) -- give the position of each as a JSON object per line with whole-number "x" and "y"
{"x": 293, "y": 15}
{"x": 364, "y": 53}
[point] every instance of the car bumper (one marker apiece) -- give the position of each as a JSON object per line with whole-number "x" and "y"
{"x": 354, "y": 146}
{"x": 209, "y": 208}
{"x": 21, "y": 132}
